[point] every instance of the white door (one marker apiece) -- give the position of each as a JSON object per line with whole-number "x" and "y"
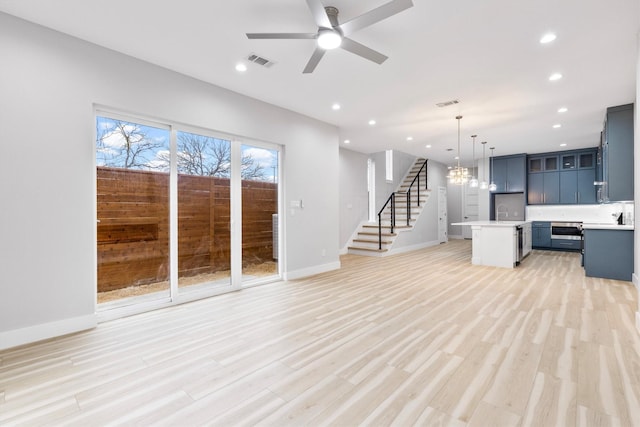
{"x": 442, "y": 215}
{"x": 470, "y": 208}
{"x": 371, "y": 187}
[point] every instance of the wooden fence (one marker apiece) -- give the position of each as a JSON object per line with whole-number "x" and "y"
{"x": 133, "y": 227}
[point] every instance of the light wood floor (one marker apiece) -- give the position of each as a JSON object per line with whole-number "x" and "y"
{"x": 423, "y": 338}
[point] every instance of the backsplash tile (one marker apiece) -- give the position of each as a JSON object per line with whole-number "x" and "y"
{"x": 603, "y": 213}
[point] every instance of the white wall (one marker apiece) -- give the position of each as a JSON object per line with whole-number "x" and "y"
{"x": 49, "y": 84}
{"x": 353, "y": 192}
{"x": 401, "y": 164}
{"x": 425, "y": 230}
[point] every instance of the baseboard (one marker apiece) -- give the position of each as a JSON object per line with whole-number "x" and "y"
{"x": 412, "y": 247}
{"x": 316, "y": 269}
{"x": 45, "y": 331}
{"x": 456, "y": 237}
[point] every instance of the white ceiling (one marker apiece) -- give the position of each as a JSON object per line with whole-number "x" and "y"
{"x": 486, "y": 54}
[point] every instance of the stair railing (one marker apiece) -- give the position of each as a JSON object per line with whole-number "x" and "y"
{"x": 392, "y": 201}
{"x": 416, "y": 179}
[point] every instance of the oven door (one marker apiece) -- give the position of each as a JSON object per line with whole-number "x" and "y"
{"x": 566, "y": 231}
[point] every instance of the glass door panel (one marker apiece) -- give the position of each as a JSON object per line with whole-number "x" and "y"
{"x": 204, "y": 238}
{"x": 260, "y": 169}
{"x": 132, "y": 171}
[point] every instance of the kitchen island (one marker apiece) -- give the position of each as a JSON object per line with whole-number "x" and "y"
{"x": 499, "y": 243}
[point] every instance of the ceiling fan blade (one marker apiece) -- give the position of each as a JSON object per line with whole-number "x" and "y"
{"x": 313, "y": 62}
{"x": 319, "y": 14}
{"x": 282, "y": 35}
{"x": 375, "y": 15}
{"x": 363, "y": 51}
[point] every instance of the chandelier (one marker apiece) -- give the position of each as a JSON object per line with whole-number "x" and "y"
{"x": 458, "y": 175}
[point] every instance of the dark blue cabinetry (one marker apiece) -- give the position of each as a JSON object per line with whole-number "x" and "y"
{"x": 562, "y": 178}
{"x": 509, "y": 173}
{"x": 608, "y": 254}
{"x": 617, "y": 153}
{"x": 541, "y": 235}
{"x": 544, "y": 188}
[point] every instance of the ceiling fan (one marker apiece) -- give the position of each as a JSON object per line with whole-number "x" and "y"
{"x": 332, "y": 34}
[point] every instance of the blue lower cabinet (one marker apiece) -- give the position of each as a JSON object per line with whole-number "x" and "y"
{"x": 568, "y": 245}
{"x": 608, "y": 254}
{"x": 541, "y": 234}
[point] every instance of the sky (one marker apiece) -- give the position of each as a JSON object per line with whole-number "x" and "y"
{"x": 110, "y": 148}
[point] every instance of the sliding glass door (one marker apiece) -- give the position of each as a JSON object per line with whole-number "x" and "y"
{"x": 204, "y": 211}
{"x": 132, "y": 186}
{"x": 260, "y": 237}
{"x": 172, "y": 205}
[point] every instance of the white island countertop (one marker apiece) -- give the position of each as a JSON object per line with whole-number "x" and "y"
{"x": 493, "y": 223}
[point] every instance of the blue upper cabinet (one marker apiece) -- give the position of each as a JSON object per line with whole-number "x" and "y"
{"x": 564, "y": 177}
{"x": 509, "y": 173}
{"x": 617, "y": 153}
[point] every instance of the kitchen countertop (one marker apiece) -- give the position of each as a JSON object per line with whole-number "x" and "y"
{"x": 609, "y": 226}
{"x": 493, "y": 223}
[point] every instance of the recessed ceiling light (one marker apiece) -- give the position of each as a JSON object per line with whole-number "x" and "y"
{"x": 428, "y": 146}
{"x": 555, "y": 76}
{"x": 557, "y": 125}
{"x": 336, "y": 106}
{"x": 409, "y": 138}
{"x": 563, "y": 110}
{"x": 346, "y": 141}
{"x": 563, "y": 145}
{"x": 372, "y": 122}
{"x": 548, "y": 38}
{"x": 456, "y": 158}
{"x": 240, "y": 67}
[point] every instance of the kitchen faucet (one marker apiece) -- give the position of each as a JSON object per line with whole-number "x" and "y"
{"x": 504, "y": 211}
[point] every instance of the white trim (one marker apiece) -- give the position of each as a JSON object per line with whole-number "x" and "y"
{"x": 173, "y": 213}
{"x": 456, "y": 237}
{"x": 635, "y": 279}
{"x": 45, "y": 331}
{"x": 413, "y": 247}
{"x": 310, "y": 271}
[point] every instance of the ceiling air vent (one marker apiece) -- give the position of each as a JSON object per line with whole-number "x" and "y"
{"x": 260, "y": 60}
{"x": 447, "y": 103}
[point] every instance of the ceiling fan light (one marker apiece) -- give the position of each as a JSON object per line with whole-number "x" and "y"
{"x": 329, "y": 39}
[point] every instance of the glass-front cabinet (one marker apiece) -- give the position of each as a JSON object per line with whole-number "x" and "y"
{"x": 562, "y": 177}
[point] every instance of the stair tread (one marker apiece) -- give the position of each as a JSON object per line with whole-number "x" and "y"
{"x": 357, "y": 248}
{"x": 384, "y": 242}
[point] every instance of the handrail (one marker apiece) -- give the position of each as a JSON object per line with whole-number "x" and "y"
{"x": 392, "y": 200}
{"x": 416, "y": 178}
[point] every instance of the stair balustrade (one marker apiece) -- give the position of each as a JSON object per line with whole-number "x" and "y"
{"x": 391, "y": 201}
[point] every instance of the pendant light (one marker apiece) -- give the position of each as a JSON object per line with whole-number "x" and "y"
{"x": 483, "y": 183}
{"x": 458, "y": 175}
{"x": 473, "y": 182}
{"x": 492, "y": 186}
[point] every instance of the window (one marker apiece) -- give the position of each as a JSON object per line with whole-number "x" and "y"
{"x": 389, "y": 165}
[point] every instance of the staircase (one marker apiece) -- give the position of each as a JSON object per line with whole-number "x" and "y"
{"x": 376, "y": 239}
